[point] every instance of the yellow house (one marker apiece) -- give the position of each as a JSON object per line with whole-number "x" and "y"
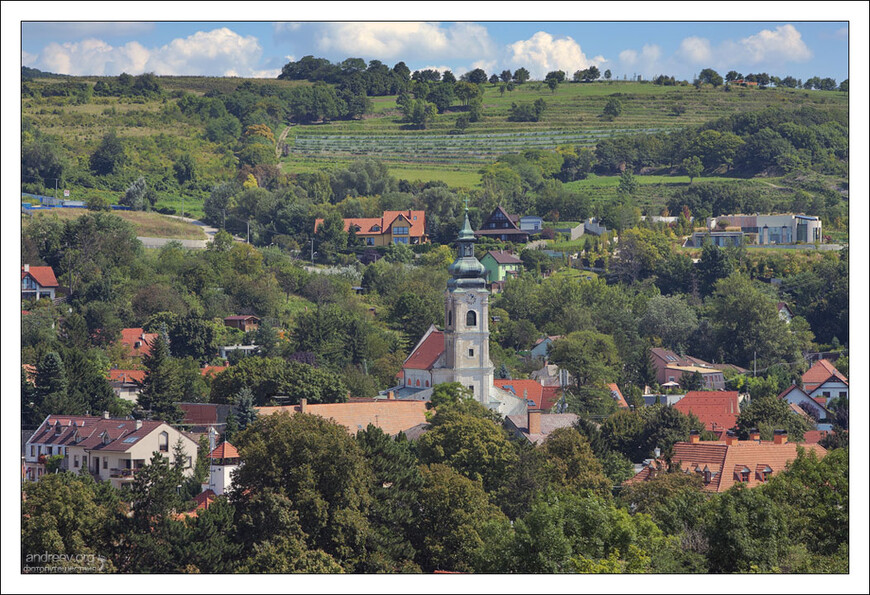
{"x": 394, "y": 227}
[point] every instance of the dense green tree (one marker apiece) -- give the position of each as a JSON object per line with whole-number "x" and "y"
{"x": 521, "y": 75}
{"x": 161, "y": 387}
{"x": 590, "y": 357}
{"x": 574, "y": 464}
{"x": 109, "y": 156}
{"x": 770, "y": 413}
{"x": 669, "y": 318}
{"x": 268, "y": 377}
{"x": 692, "y": 167}
{"x": 613, "y": 108}
{"x": 321, "y": 469}
{"x": 139, "y": 196}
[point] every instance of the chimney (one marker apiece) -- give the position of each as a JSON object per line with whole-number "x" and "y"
{"x": 755, "y": 435}
{"x": 143, "y": 335}
{"x": 391, "y": 395}
{"x": 780, "y": 436}
{"x": 27, "y": 268}
{"x": 138, "y": 424}
{"x": 694, "y": 437}
{"x": 730, "y": 438}
{"x": 302, "y": 404}
{"x": 534, "y": 423}
{"x": 105, "y": 415}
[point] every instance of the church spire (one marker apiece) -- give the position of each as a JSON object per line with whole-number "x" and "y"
{"x": 466, "y": 271}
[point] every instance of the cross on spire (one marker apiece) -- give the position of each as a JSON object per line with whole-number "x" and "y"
{"x": 466, "y": 204}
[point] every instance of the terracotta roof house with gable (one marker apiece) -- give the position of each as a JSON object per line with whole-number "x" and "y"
{"x": 797, "y": 397}
{"x": 502, "y": 226}
{"x": 670, "y": 367}
{"x": 109, "y": 449}
{"x": 390, "y": 415}
{"x": 723, "y": 464}
{"x": 823, "y": 380}
{"x": 138, "y": 342}
{"x": 393, "y": 227}
{"x": 717, "y": 410}
{"x": 126, "y": 383}
{"x": 38, "y": 282}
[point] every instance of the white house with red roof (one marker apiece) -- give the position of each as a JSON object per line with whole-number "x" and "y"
{"x": 38, "y": 282}
{"x": 796, "y": 396}
{"x": 823, "y": 380}
{"x": 109, "y": 449}
{"x": 223, "y": 461}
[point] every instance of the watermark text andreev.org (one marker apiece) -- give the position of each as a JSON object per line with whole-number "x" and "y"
{"x": 49, "y": 563}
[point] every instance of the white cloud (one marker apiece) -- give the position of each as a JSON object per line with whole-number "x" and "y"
{"x": 542, "y": 53}
{"x": 217, "y": 52}
{"x": 405, "y": 41}
{"x": 695, "y": 50}
{"x": 777, "y": 47}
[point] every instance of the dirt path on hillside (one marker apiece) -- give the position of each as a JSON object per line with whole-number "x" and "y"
{"x": 280, "y": 142}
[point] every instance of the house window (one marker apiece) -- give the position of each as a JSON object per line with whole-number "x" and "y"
{"x": 163, "y": 442}
{"x": 32, "y": 450}
{"x": 76, "y": 461}
{"x": 427, "y": 383}
{"x": 471, "y": 353}
{"x": 471, "y": 318}
{"x": 471, "y": 388}
{"x": 400, "y": 231}
{"x": 105, "y": 462}
{"x": 418, "y": 382}
{"x": 376, "y": 228}
{"x": 49, "y": 450}
{"x": 400, "y": 240}
{"x": 826, "y": 394}
{"x": 744, "y": 476}
{"x": 842, "y": 394}
{"x": 370, "y": 241}
{"x": 409, "y": 382}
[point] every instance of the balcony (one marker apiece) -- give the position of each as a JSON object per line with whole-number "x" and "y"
{"x": 122, "y": 473}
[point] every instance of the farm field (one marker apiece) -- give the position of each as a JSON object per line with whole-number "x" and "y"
{"x": 148, "y": 224}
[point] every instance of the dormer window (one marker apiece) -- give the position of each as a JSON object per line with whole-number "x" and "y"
{"x": 58, "y": 429}
{"x": 376, "y": 228}
{"x": 106, "y": 438}
{"x": 741, "y": 473}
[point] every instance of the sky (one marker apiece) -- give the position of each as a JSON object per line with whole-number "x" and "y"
{"x": 800, "y": 48}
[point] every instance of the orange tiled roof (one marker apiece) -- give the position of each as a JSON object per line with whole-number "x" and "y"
{"x": 550, "y": 395}
{"x": 42, "y": 275}
{"x": 532, "y": 389}
{"x": 126, "y": 376}
{"x": 718, "y": 410}
{"x": 213, "y": 370}
{"x": 392, "y": 416}
{"x": 820, "y": 372}
{"x": 427, "y": 353}
{"x": 131, "y": 336}
{"x": 224, "y": 451}
{"x": 374, "y": 226}
{"x": 620, "y": 400}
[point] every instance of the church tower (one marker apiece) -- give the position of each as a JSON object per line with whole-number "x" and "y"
{"x": 466, "y": 334}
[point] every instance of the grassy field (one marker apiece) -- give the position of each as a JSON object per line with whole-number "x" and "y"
{"x": 148, "y": 224}
{"x": 157, "y": 135}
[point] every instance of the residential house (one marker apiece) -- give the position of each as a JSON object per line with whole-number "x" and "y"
{"x": 109, "y": 449}
{"x": 390, "y": 415}
{"x": 552, "y": 375}
{"x": 717, "y": 410}
{"x": 725, "y": 463}
{"x": 244, "y": 323}
{"x": 824, "y": 380}
{"x": 542, "y": 346}
{"x": 536, "y": 395}
{"x": 772, "y": 229}
{"x": 502, "y": 226}
{"x": 817, "y": 408}
{"x": 38, "y": 282}
{"x": 784, "y": 312}
{"x": 532, "y": 224}
{"x": 670, "y": 367}
{"x": 126, "y": 383}
{"x": 393, "y": 227}
{"x": 223, "y": 461}
{"x": 720, "y": 239}
{"x": 501, "y": 265}
{"x": 617, "y": 396}
{"x": 137, "y": 341}
{"x": 536, "y": 426}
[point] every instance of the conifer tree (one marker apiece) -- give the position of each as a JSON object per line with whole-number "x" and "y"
{"x": 245, "y": 413}
{"x": 160, "y": 388}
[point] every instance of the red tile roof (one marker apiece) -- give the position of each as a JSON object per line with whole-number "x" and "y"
{"x": 127, "y": 376}
{"x": 241, "y": 317}
{"x": 550, "y": 395}
{"x": 617, "y": 394}
{"x": 820, "y": 372}
{"x": 42, "y": 275}
{"x": 372, "y": 226}
{"x": 224, "y": 451}
{"x": 718, "y": 410}
{"x": 815, "y": 436}
{"x": 392, "y": 416}
{"x": 530, "y": 389}
{"x": 91, "y": 430}
{"x": 213, "y": 370}
{"x": 131, "y": 336}
{"x": 427, "y": 352}
{"x": 504, "y": 257}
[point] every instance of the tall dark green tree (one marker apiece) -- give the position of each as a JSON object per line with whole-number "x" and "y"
{"x": 161, "y": 388}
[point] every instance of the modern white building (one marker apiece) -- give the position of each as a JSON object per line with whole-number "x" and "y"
{"x": 772, "y": 229}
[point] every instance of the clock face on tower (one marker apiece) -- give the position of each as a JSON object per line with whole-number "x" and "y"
{"x": 471, "y": 298}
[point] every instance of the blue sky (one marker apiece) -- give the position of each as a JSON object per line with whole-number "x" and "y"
{"x": 799, "y": 48}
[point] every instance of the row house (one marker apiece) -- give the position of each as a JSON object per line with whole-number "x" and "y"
{"x": 393, "y": 227}
{"x": 109, "y": 449}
